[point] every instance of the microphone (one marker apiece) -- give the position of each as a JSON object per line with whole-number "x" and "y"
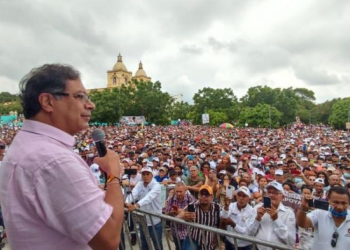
{"x": 98, "y": 137}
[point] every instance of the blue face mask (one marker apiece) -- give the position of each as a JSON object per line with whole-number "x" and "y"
{"x": 339, "y": 214}
{"x": 298, "y": 180}
{"x": 346, "y": 175}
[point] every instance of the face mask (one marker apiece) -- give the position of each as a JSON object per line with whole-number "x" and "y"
{"x": 254, "y": 163}
{"x": 339, "y": 214}
{"x": 346, "y": 175}
{"x": 297, "y": 180}
{"x": 91, "y": 155}
{"x": 267, "y": 168}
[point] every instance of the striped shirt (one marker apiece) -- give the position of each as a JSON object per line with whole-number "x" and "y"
{"x": 181, "y": 230}
{"x": 211, "y": 219}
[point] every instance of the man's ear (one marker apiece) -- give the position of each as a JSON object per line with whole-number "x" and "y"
{"x": 46, "y": 102}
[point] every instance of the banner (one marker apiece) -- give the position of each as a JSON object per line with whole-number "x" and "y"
{"x": 292, "y": 200}
{"x": 132, "y": 120}
{"x": 205, "y": 118}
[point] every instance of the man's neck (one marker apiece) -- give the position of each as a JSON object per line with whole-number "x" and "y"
{"x": 194, "y": 178}
{"x": 240, "y": 208}
{"x": 205, "y": 208}
{"x": 145, "y": 184}
{"x": 338, "y": 221}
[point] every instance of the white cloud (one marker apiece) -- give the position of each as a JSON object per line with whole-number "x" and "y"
{"x": 186, "y": 45}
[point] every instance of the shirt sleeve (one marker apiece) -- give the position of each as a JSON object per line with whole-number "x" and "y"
{"x": 69, "y": 200}
{"x": 313, "y": 216}
{"x": 286, "y": 230}
{"x": 150, "y": 196}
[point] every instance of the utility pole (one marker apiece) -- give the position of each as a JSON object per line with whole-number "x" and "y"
{"x": 270, "y": 115}
{"x": 309, "y": 117}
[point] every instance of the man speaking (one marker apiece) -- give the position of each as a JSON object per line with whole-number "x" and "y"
{"x": 49, "y": 197}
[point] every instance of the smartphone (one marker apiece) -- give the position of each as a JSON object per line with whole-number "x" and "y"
{"x": 267, "y": 202}
{"x": 229, "y": 191}
{"x": 191, "y": 157}
{"x": 310, "y": 203}
{"x": 190, "y": 208}
{"x": 296, "y": 172}
{"x": 323, "y": 205}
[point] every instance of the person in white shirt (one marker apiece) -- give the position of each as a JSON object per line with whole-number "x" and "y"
{"x": 237, "y": 216}
{"x": 146, "y": 195}
{"x": 332, "y": 228}
{"x": 275, "y": 224}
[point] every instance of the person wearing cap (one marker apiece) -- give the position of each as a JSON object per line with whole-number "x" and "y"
{"x": 174, "y": 206}
{"x": 194, "y": 181}
{"x": 237, "y": 217}
{"x": 331, "y": 227}
{"x": 275, "y": 224}
{"x": 318, "y": 192}
{"x": 206, "y": 213}
{"x": 279, "y": 175}
{"x": 162, "y": 175}
{"x": 146, "y": 196}
{"x": 63, "y": 206}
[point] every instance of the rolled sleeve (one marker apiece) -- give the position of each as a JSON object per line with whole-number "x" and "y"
{"x": 69, "y": 200}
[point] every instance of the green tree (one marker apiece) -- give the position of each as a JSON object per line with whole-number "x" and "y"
{"x": 259, "y": 116}
{"x": 179, "y": 110}
{"x": 7, "y": 97}
{"x": 218, "y": 100}
{"x": 259, "y": 94}
{"x": 216, "y": 117}
{"x": 107, "y": 104}
{"x": 339, "y": 113}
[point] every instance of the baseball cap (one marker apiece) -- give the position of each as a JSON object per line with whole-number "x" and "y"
{"x": 280, "y": 163}
{"x": 244, "y": 190}
{"x": 331, "y": 168}
{"x": 162, "y": 168}
{"x": 279, "y": 172}
{"x": 172, "y": 172}
{"x": 202, "y": 156}
{"x": 146, "y": 169}
{"x": 149, "y": 164}
{"x": 276, "y": 185}
{"x": 304, "y": 159}
{"x": 95, "y": 169}
{"x": 206, "y": 187}
{"x": 155, "y": 159}
{"x": 319, "y": 180}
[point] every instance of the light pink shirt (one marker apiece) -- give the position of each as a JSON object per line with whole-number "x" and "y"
{"x": 49, "y": 196}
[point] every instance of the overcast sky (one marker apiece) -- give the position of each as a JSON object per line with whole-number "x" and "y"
{"x": 185, "y": 44}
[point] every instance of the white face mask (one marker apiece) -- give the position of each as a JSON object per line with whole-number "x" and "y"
{"x": 91, "y": 155}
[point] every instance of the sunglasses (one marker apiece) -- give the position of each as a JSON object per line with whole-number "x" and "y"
{"x": 334, "y": 239}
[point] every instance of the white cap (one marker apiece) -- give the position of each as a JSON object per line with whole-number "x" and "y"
{"x": 95, "y": 169}
{"x": 222, "y": 172}
{"x": 279, "y": 172}
{"x": 202, "y": 156}
{"x": 162, "y": 168}
{"x": 146, "y": 169}
{"x": 149, "y": 164}
{"x": 253, "y": 157}
{"x": 319, "y": 180}
{"x": 244, "y": 190}
{"x": 275, "y": 185}
{"x": 155, "y": 159}
{"x": 304, "y": 159}
{"x": 192, "y": 148}
{"x": 280, "y": 163}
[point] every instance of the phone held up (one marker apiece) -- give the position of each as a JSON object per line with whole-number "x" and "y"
{"x": 190, "y": 208}
{"x": 267, "y": 202}
{"x": 317, "y": 204}
{"x": 229, "y": 191}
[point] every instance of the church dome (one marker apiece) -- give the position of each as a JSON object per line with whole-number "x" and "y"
{"x": 119, "y": 66}
{"x": 140, "y": 72}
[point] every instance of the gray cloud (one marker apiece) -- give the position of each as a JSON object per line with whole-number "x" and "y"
{"x": 186, "y": 45}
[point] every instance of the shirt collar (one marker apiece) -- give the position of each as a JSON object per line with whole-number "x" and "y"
{"x": 281, "y": 207}
{"x": 49, "y": 131}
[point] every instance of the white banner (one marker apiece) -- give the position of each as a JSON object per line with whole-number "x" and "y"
{"x": 205, "y": 118}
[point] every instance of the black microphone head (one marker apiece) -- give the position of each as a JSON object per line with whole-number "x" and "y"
{"x": 98, "y": 135}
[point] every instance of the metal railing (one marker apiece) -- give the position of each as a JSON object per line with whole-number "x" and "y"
{"x": 139, "y": 218}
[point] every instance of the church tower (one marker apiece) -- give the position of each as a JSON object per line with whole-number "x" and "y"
{"x": 119, "y": 75}
{"x": 141, "y": 75}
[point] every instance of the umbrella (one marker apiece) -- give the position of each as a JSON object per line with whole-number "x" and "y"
{"x": 226, "y": 125}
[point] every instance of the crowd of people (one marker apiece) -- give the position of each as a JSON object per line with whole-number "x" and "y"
{"x": 235, "y": 179}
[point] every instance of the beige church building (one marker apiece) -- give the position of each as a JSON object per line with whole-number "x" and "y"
{"x": 120, "y": 75}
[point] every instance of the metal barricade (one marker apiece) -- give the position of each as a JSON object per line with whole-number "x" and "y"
{"x": 168, "y": 234}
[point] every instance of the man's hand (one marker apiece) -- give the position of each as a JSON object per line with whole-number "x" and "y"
{"x": 189, "y": 216}
{"x": 227, "y": 203}
{"x": 110, "y": 163}
{"x": 273, "y": 212}
{"x": 228, "y": 221}
{"x": 132, "y": 207}
{"x": 260, "y": 213}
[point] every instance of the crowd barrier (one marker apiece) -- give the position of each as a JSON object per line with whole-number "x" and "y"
{"x": 139, "y": 218}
